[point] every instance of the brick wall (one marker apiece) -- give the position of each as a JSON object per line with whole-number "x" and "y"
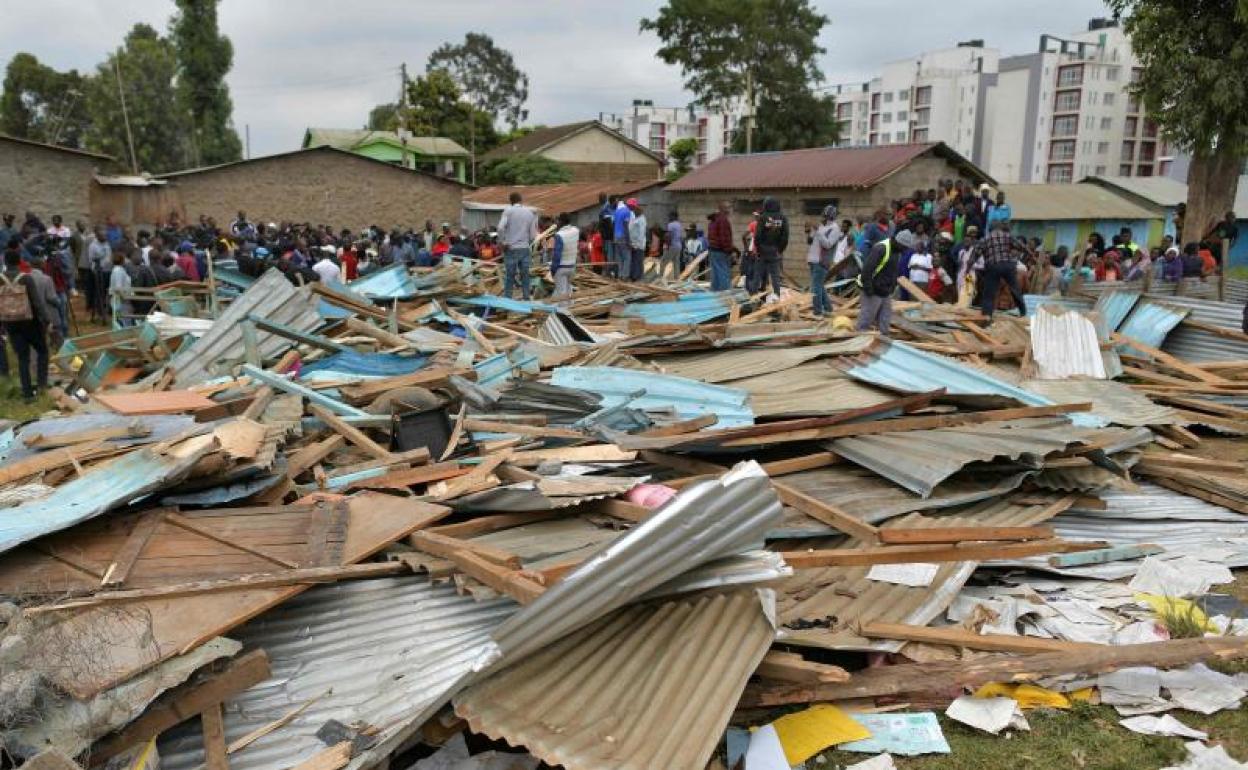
{"x": 321, "y": 186}
{"x": 613, "y": 172}
{"x": 45, "y": 181}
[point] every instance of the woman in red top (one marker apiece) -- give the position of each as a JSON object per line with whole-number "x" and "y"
{"x": 596, "y": 255}
{"x": 441, "y": 246}
{"x": 350, "y": 264}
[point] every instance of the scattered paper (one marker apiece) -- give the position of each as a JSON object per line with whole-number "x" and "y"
{"x": 1201, "y": 689}
{"x": 904, "y": 734}
{"x": 1135, "y": 686}
{"x": 1141, "y": 632}
{"x": 882, "y": 762}
{"x": 992, "y": 715}
{"x": 1162, "y": 725}
{"x": 1202, "y": 757}
{"x": 917, "y": 574}
{"x": 765, "y": 751}
{"x": 1183, "y": 576}
{"x": 1163, "y": 605}
{"x": 805, "y": 733}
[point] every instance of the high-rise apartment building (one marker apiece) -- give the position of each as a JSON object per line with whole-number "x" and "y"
{"x": 658, "y": 127}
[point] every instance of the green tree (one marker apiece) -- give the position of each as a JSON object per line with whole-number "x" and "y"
{"x": 741, "y": 51}
{"x": 526, "y": 169}
{"x": 204, "y": 56}
{"x": 436, "y": 108}
{"x": 792, "y": 122}
{"x": 384, "y": 117}
{"x": 41, "y": 104}
{"x": 1195, "y": 86}
{"x": 681, "y": 154}
{"x": 146, "y": 64}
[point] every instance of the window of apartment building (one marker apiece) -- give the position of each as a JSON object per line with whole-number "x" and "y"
{"x": 1107, "y": 123}
{"x": 1064, "y": 150}
{"x": 845, "y": 128}
{"x": 1144, "y": 171}
{"x": 1128, "y": 151}
{"x": 1060, "y": 174}
{"x": 875, "y": 102}
{"x": 1089, "y": 122}
{"x": 1102, "y": 148}
{"x": 888, "y": 117}
{"x": 1128, "y": 126}
{"x": 875, "y": 121}
{"x": 1067, "y": 101}
{"x": 888, "y": 97}
{"x": 1148, "y": 152}
{"x": 1124, "y": 169}
{"x": 1083, "y": 170}
{"x": 922, "y": 96}
{"x": 920, "y": 134}
{"x": 1150, "y": 129}
{"x": 923, "y": 117}
{"x": 902, "y": 115}
{"x": 844, "y": 110}
{"x": 903, "y": 96}
{"x": 1108, "y": 99}
{"x": 1100, "y": 171}
{"x": 1111, "y": 73}
{"x": 1133, "y": 103}
{"x": 873, "y": 139}
{"x": 1066, "y": 125}
{"x": 1087, "y": 146}
{"x": 1091, "y": 98}
{"x": 1136, "y": 72}
{"x": 901, "y": 136}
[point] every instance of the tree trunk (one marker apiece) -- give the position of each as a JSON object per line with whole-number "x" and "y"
{"x": 1211, "y": 182}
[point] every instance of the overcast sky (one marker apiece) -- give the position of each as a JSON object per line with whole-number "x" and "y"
{"x": 327, "y": 62}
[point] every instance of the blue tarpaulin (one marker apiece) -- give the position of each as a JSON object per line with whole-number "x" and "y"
{"x": 690, "y": 398}
{"x": 350, "y": 363}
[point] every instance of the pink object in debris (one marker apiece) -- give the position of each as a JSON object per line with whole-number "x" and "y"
{"x": 650, "y": 495}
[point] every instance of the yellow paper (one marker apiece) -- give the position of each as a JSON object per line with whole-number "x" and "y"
{"x": 1170, "y": 604}
{"x": 1028, "y": 696}
{"x": 804, "y": 734}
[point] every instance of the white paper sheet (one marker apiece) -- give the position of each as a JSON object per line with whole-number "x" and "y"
{"x": 992, "y": 715}
{"x": 882, "y": 762}
{"x": 765, "y": 751}
{"x": 1162, "y": 725}
{"x": 917, "y": 574}
{"x": 1181, "y": 577}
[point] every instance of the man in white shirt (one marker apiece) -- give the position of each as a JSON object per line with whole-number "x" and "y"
{"x": 58, "y": 230}
{"x": 328, "y": 270}
{"x": 563, "y": 260}
{"x": 638, "y": 235}
{"x": 517, "y": 228}
{"x": 825, "y": 243}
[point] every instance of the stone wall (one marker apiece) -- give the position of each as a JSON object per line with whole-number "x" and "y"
{"x": 46, "y": 181}
{"x": 320, "y": 186}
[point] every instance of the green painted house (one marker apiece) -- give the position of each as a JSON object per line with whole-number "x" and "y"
{"x": 435, "y": 154}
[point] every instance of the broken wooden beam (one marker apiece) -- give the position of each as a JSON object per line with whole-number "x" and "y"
{"x": 792, "y": 667}
{"x": 906, "y": 554}
{"x": 960, "y": 637}
{"x": 927, "y": 535}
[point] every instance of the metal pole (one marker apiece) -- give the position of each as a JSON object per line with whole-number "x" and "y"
{"x": 749, "y": 112}
{"x": 125, "y": 117}
{"x": 247, "y": 133}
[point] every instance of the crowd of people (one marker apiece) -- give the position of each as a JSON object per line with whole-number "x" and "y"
{"x": 953, "y": 243}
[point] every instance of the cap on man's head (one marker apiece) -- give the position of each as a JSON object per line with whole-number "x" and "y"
{"x": 632, "y": 203}
{"x": 830, "y": 211}
{"x": 905, "y": 239}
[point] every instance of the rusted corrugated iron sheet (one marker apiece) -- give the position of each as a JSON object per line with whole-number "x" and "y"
{"x": 725, "y": 366}
{"x": 646, "y": 687}
{"x": 1118, "y": 403}
{"x": 814, "y": 388}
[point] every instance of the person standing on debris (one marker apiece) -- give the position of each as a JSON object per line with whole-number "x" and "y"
{"x": 824, "y": 243}
{"x": 878, "y": 280}
{"x": 45, "y": 287}
{"x": 517, "y": 228}
{"x": 622, "y": 250}
{"x": 25, "y": 317}
{"x": 563, "y": 260}
{"x": 99, "y": 263}
{"x": 119, "y": 286}
{"x": 1000, "y": 264}
{"x": 638, "y": 233}
{"x": 771, "y": 238}
{"x": 719, "y": 239}
{"x": 674, "y": 241}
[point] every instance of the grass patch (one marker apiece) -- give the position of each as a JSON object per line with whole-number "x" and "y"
{"x": 12, "y": 407}
{"x": 1238, "y": 271}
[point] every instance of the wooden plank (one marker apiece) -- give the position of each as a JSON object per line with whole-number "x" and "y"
{"x": 791, "y": 667}
{"x": 953, "y": 676}
{"x": 135, "y": 429}
{"x": 1188, "y": 462}
{"x": 1178, "y": 435}
{"x": 491, "y": 426}
{"x": 54, "y": 458}
{"x": 826, "y": 512}
{"x": 682, "y": 427}
{"x": 911, "y": 287}
{"x": 505, "y": 581}
{"x": 351, "y": 433}
{"x": 915, "y": 535}
{"x": 1172, "y": 362}
{"x": 312, "y": 454}
{"x": 440, "y": 545}
{"x": 477, "y": 478}
{"x": 154, "y": 402}
{"x": 124, "y": 559}
{"x": 333, "y": 758}
{"x": 214, "y": 738}
{"x": 620, "y": 509}
{"x": 961, "y": 637}
{"x": 407, "y": 477}
{"x": 181, "y": 703}
{"x": 905, "y": 554}
{"x": 594, "y": 453}
{"x": 485, "y": 524}
{"x": 804, "y": 463}
{"x": 428, "y": 378}
{"x": 179, "y": 520}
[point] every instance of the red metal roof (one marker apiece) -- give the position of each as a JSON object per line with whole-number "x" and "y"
{"x": 555, "y": 198}
{"x": 824, "y": 167}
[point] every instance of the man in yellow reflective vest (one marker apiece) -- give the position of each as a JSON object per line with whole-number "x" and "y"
{"x": 878, "y": 280}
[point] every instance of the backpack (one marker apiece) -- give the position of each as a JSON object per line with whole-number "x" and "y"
{"x": 14, "y": 301}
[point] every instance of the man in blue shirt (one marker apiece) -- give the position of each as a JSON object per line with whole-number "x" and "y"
{"x": 623, "y": 256}
{"x": 672, "y": 246}
{"x": 1001, "y": 212}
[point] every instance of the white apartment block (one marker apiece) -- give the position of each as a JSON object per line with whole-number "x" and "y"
{"x": 1063, "y": 113}
{"x": 1057, "y": 115}
{"x": 658, "y": 127}
{"x": 935, "y": 96}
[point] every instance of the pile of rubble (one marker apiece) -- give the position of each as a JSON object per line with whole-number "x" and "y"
{"x": 410, "y": 521}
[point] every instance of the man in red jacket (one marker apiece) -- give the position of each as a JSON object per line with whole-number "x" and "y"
{"x": 719, "y": 239}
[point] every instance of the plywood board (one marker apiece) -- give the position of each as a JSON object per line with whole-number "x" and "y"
{"x": 155, "y": 402}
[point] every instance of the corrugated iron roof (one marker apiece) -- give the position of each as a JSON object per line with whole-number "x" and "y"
{"x": 724, "y": 366}
{"x": 1118, "y": 403}
{"x": 1064, "y": 344}
{"x": 646, "y": 687}
{"x": 273, "y": 298}
{"x": 352, "y": 138}
{"x": 689, "y": 398}
{"x": 706, "y": 521}
{"x": 553, "y": 199}
{"x": 1037, "y": 301}
{"x": 814, "y": 388}
{"x": 1047, "y": 202}
{"x": 1149, "y": 323}
{"x": 1158, "y": 190}
{"x": 817, "y": 168}
{"x": 385, "y": 652}
{"x": 1115, "y": 306}
{"x": 1197, "y": 345}
{"x": 692, "y": 308}
{"x": 919, "y": 460}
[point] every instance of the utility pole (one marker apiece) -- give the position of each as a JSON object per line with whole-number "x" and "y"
{"x": 749, "y": 112}
{"x": 247, "y": 134}
{"x": 125, "y": 117}
{"x": 403, "y": 114}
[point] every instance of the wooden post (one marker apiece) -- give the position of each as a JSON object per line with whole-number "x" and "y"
{"x": 214, "y": 738}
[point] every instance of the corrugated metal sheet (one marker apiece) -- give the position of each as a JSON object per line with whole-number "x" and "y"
{"x": 1236, "y": 290}
{"x": 1161, "y": 190}
{"x": 689, "y": 309}
{"x": 724, "y": 366}
{"x": 384, "y": 652}
{"x": 1117, "y": 403}
{"x": 1199, "y": 346}
{"x": 1037, "y": 301}
{"x": 823, "y": 607}
{"x": 523, "y": 307}
{"x": 706, "y": 521}
{"x": 645, "y": 688}
{"x": 689, "y": 398}
{"x": 919, "y": 460}
{"x": 160, "y": 427}
{"x": 103, "y": 488}
{"x": 353, "y": 364}
{"x": 1115, "y": 306}
{"x": 393, "y": 282}
{"x": 1064, "y": 344}
{"x": 1149, "y": 323}
{"x": 900, "y": 367}
{"x": 271, "y": 297}
{"x": 816, "y": 388}
{"x": 825, "y": 167}
{"x": 1043, "y": 202}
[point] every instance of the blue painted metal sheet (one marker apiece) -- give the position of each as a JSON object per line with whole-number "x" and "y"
{"x": 159, "y": 426}
{"x": 496, "y": 370}
{"x": 1149, "y": 323}
{"x": 393, "y": 282}
{"x": 689, "y": 398}
{"x": 689, "y": 309}
{"x": 495, "y": 302}
{"x": 1034, "y": 301}
{"x": 1115, "y": 306}
{"x": 103, "y": 488}
{"x": 350, "y": 363}
{"x": 232, "y": 277}
{"x": 899, "y": 367}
